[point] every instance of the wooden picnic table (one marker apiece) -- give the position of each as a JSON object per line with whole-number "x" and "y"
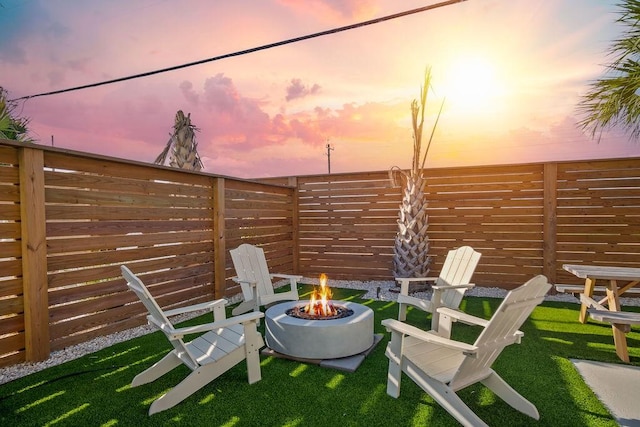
{"x": 610, "y": 274}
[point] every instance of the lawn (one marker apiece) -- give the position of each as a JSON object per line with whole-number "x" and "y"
{"x": 94, "y": 390}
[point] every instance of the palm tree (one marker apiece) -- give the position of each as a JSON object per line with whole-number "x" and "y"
{"x": 182, "y": 145}
{"x": 411, "y": 249}
{"x": 11, "y": 127}
{"x": 614, "y": 99}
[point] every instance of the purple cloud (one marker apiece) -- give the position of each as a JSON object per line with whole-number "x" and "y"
{"x": 345, "y": 8}
{"x": 297, "y": 89}
{"x": 190, "y": 95}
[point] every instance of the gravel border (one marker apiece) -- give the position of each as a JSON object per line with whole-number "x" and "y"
{"x": 378, "y": 290}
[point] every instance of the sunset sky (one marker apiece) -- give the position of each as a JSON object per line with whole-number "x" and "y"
{"x": 511, "y": 73}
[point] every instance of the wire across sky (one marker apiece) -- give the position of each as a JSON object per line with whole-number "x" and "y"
{"x": 251, "y": 50}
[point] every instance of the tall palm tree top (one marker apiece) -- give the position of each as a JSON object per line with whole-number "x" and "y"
{"x": 182, "y": 145}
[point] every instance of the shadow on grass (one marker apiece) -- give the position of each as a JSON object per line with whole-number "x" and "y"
{"x": 94, "y": 390}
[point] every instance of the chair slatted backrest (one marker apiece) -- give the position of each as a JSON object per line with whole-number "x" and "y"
{"x": 155, "y": 312}
{"x": 502, "y": 330}
{"x": 458, "y": 268}
{"x": 250, "y": 264}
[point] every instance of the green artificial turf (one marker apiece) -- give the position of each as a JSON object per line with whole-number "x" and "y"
{"x": 94, "y": 390}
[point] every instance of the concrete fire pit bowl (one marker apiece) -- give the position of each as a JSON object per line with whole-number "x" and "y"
{"x": 319, "y": 338}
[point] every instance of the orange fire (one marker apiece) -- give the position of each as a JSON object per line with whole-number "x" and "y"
{"x": 320, "y": 301}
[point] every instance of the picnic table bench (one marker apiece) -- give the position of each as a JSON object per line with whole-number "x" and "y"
{"x": 620, "y": 321}
{"x": 622, "y": 317}
{"x": 578, "y": 289}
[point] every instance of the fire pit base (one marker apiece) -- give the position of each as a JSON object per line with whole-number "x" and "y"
{"x": 319, "y": 339}
{"x": 347, "y": 364}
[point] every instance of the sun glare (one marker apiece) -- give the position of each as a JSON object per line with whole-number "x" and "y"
{"x": 471, "y": 85}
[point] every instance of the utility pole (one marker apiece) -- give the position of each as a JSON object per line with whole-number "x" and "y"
{"x": 329, "y": 150}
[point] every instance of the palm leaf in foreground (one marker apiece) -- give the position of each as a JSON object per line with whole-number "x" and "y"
{"x": 614, "y": 101}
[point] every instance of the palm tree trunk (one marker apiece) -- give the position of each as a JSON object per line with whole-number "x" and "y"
{"x": 411, "y": 248}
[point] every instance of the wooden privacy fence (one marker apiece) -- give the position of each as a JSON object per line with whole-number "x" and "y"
{"x": 525, "y": 219}
{"x": 68, "y": 220}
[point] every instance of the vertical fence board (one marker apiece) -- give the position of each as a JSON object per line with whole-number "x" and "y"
{"x": 295, "y": 221}
{"x": 34, "y": 254}
{"x": 549, "y": 229}
{"x": 220, "y": 243}
{"x": 12, "y": 335}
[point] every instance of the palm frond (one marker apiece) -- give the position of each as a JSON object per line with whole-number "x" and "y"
{"x": 613, "y": 100}
{"x": 182, "y": 147}
{"x": 12, "y": 127}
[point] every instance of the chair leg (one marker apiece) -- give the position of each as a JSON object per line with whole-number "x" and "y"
{"x": 394, "y": 374}
{"x": 436, "y": 301}
{"x": 402, "y": 313}
{"x": 194, "y": 382}
{"x": 499, "y": 386}
{"x": 444, "y": 325}
{"x": 447, "y": 398}
{"x": 253, "y": 344}
{"x": 161, "y": 367}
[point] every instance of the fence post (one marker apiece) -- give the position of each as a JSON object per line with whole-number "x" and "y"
{"x": 295, "y": 218}
{"x": 34, "y": 254}
{"x": 549, "y": 228}
{"x": 219, "y": 241}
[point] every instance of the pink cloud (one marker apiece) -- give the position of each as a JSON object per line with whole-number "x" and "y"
{"x": 352, "y": 8}
{"x": 232, "y": 116}
{"x": 359, "y": 9}
{"x": 56, "y": 78}
{"x": 190, "y": 95}
{"x": 78, "y": 64}
{"x": 237, "y": 130}
{"x": 13, "y": 55}
{"x": 297, "y": 89}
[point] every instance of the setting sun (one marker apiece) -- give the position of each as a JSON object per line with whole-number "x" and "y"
{"x": 471, "y": 85}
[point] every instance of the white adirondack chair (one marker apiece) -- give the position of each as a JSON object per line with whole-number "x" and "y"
{"x": 252, "y": 273}
{"x": 441, "y": 366}
{"x": 224, "y": 344}
{"x": 448, "y": 290}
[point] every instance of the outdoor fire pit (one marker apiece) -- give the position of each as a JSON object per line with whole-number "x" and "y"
{"x": 319, "y": 328}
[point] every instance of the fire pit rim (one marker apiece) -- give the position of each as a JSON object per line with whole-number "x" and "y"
{"x": 343, "y": 311}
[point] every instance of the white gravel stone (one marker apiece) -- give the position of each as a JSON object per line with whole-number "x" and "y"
{"x": 378, "y": 290}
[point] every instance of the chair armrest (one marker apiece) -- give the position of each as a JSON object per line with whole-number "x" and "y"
{"x": 404, "y": 282}
{"x": 239, "y": 281}
{"x": 393, "y": 325}
{"x": 463, "y": 317}
{"x": 208, "y": 306}
{"x": 286, "y": 276}
{"x": 175, "y": 333}
{"x": 249, "y": 289}
{"x": 445, "y": 287}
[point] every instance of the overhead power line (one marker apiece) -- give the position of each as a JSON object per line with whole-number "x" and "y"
{"x": 254, "y": 49}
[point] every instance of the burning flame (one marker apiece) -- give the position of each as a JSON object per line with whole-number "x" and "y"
{"x": 320, "y": 301}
